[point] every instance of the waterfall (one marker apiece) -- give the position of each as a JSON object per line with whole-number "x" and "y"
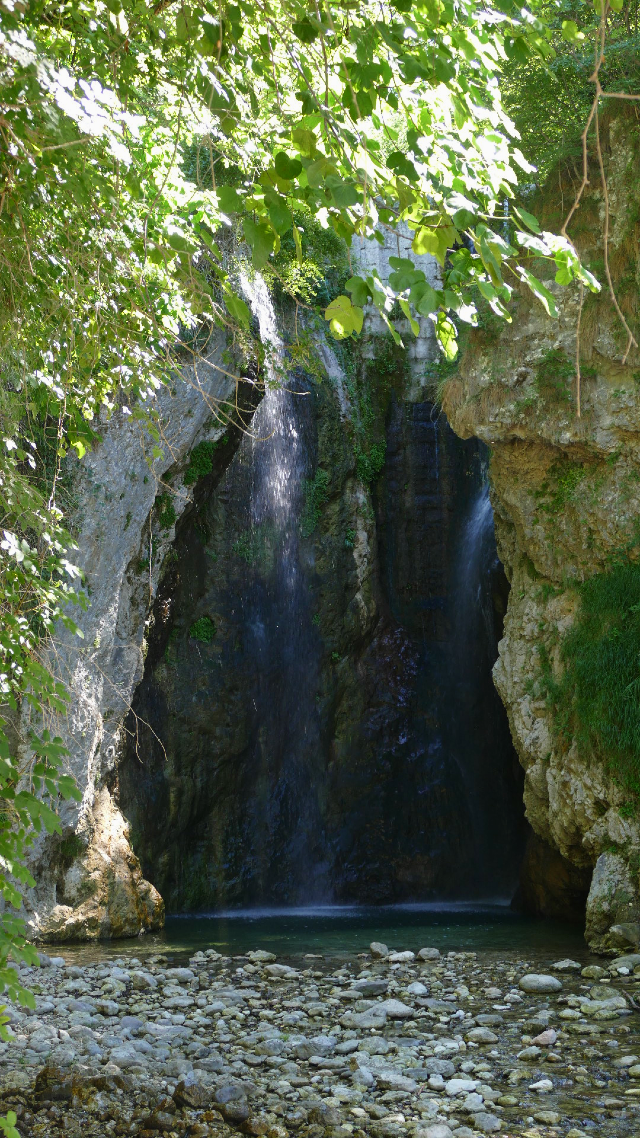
{"x": 477, "y": 558}
{"x": 279, "y": 459}
{"x": 283, "y": 642}
{"x": 474, "y": 652}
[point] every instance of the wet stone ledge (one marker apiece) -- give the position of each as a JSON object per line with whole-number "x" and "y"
{"x": 383, "y": 1044}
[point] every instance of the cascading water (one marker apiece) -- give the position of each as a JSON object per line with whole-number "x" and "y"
{"x": 277, "y": 615}
{"x": 474, "y": 649}
{"x": 478, "y": 559}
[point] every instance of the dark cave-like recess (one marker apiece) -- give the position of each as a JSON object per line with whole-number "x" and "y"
{"x": 339, "y": 737}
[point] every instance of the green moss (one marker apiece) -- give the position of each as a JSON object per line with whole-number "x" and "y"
{"x": 166, "y": 511}
{"x": 369, "y": 384}
{"x": 560, "y": 485}
{"x": 201, "y": 460}
{"x": 597, "y": 699}
{"x": 203, "y": 629}
{"x": 316, "y": 492}
{"x": 247, "y": 547}
{"x": 554, "y": 376}
{"x": 71, "y": 847}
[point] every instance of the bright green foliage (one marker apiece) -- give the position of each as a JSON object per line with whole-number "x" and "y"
{"x": 550, "y": 100}
{"x": 201, "y": 460}
{"x": 203, "y": 629}
{"x": 8, "y": 1125}
{"x": 597, "y": 699}
{"x": 316, "y": 492}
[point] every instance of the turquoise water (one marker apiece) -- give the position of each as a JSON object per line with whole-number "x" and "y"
{"x": 343, "y": 930}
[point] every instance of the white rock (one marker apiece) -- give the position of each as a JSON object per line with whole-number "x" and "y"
{"x": 543, "y": 1086}
{"x": 460, "y": 1086}
{"x": 537, "y": 983}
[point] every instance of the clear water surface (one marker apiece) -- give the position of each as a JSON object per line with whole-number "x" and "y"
{"x": 346, "y": 930}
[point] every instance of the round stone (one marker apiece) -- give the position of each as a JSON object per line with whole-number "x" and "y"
{"x": 538, "y": 983}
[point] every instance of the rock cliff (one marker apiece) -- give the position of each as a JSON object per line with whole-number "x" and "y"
{"x": 127, "y": 502}
{"x": 566, "y": 496}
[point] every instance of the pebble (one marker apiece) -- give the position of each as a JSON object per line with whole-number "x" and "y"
{"x": 388, "y": 1044}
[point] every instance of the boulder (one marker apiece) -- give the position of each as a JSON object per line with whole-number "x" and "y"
{"x": 539, "y": 984}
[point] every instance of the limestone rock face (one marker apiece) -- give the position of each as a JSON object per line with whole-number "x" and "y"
{"x": 104, "y": 890}
{"x": 614, "y": 907}
{"x": 566, "y": 494}
{"x": 89, "y": 882}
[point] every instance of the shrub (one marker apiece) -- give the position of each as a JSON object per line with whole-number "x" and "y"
{"x": 201, "y": 460}
{"x": 166, "y": 511}
{"x": 368, "y": 466}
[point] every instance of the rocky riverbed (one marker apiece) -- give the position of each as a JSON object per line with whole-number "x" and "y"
{"x": 381, "y": 1044}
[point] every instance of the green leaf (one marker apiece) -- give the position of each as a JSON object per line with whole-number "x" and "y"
{"x": 415, "y": 327}
{"x": 425, "y": 299}
{"x": 304, "y": 30}
{"x": 446, "y": 334}
{"x": 434, "y": 241}
{"x": 261, "y": 239}
{"x": 540, "y": 291}
{"x": 280, "y": 215}
{"x": 400, "y": 164}
{"x": 343, "y": 193}
{"x": 229, "y": 200}
{"x": 287, "y": 167}
{"x": 564, "y": 276}
{"x": 237, "y": 309}
{"x": 304, "y": 141}
{"x": 570, "y": 31}
{"x": 536, "y": 244}
{"x": 527, "y": 219}
{"x": 344, "y": 318}
{"x": 359, "y": 289}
